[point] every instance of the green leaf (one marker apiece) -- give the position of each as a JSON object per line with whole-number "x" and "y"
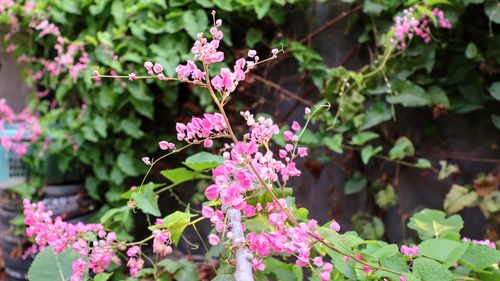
{"x": 409, "y": 95}
{"x": 458, "y": 198}
{"x": 179, "y": 175}
{"x": 258, "y": 224}
{"x": 187, "y": 272}
{"x": 376, "y": 114}
{"x": 368, "y": 226}
{"x": 49, "y": 266}
{"x": 334, "y": 143}
{"x": 128, "y": 194}
{"x": 433, "y": 223}
{"x": 131, "y": 126}
{"x": 423, "y": 163}
{"x": 445, "y": 251}
{"x": 147, "y": 201}
{"x": 176, "y": 223}
{"x": 309, "y": 138}
{"x": 386, "y": 197}
{"x": 471, "y": 51}
{"x": 282, "y": 270}
{"x": 100, "y": 126}
{"x": 127, "y": 164}
{"x": 438, "y": 96}
{"x": 253, "y": 37}
{"x": 446, "y": 170}
{"x": 194, "y": 22}
{"x": 496, "y": 120}
{"x": 170, "y": 265}
{"x": 355, "y": 184}
{"x": 89, "y": 134}
{"x": 102, "y": 276}
{"x": 261, "y": 7}
{"x": 479, "y": 257}
{"x": 203, "y": 161}
{"x": 368, "y": 152}
{"x": 494, "y": 89}
{"x": 363, "y": 137}
{"x": 431, "y": 270}
{"x": 402, "y": 148}
{"x": 372, "y": 7}
{"x": 118, "y": 12}
{"x": 492, "y": 10}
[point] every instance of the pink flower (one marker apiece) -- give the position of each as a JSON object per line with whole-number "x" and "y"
{"x": 288, "y": 135}
{"x": 258, "y": 265}
{"x": 212, "y": 192}
{"x": 164, "y": 145}
{"x": 132, "y": 77}
{"x": 146, "y": 160}
{"x": 148, "y": 65}
{"x": 161, "y": 242}
{"x": 133, "y": 251}
{"x": 295, "y": 126}
{"x": 135, "y": 265}
{"x": 366, "y": 268}
{"x": 307, "y": 111}
{"x": 208, "y": 143}
{"x": 213, "y": 239}
{"x": 318, "y": 261}
{"x": 207, "y": 211}
{"x": 302, "y": 151}
{"x": 409, "y": 251}
{"x": 252, "y": 53}
{"x": 335, "y": 226}
{"x": 158, "y": 68}
{"x": 402, "y": 278}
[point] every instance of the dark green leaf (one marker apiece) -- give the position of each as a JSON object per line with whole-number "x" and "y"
{"x": 458, "y": 198}
{"x": 126, "y": 163}
{"x": 480, "y": 257}
{"x": 495, "y": 87}
{"x": 431, "y": 270}
{"x": 445, "y": 251}
{"x": 433, "y": 223}
{"x": 179, "y": 175}
{"x": 253, "y": 37}
{"x": 147, "y": 201}
{"x": 49, "y": 266}
{"x": 368, "y": 152}
{"x": 203, "y": 160}
{"x": 402, "y": 148}
{"x": 355, "y": 184}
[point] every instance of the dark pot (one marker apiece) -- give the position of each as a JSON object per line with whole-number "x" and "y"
{"x": 10, "y": 200}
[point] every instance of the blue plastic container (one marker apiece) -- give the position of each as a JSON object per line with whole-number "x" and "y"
{"x": 12, "y": 168}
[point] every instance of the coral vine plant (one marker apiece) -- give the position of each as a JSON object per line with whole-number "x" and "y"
{"x": 250, "y": 184}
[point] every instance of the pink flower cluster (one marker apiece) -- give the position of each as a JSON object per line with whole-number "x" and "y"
{"x": 65, "y": 61}
{"x": 26, "y": 125}
{"x": 235, "y": 183}
{"x": 409, "y": 251}
{"x": 486, "y": 242}
{"x": 190, "y": 72}
{"x": 135, "y": 262}
{"x": 407, "y": 26}
{"x": 202, "y": 129}
{"x": 95, "y": 254}
{"x": 161, "y": 241}
{"x": 206, "y": 51}
{"x": 227, "y": 80}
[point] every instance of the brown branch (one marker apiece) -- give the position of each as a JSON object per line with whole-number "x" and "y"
{"x": 330, "y": 23}
{"x": 282, "y": 90}
{"x": 460, "y": 157}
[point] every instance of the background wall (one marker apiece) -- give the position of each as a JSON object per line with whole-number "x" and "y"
{"x": 12, "y": 87}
